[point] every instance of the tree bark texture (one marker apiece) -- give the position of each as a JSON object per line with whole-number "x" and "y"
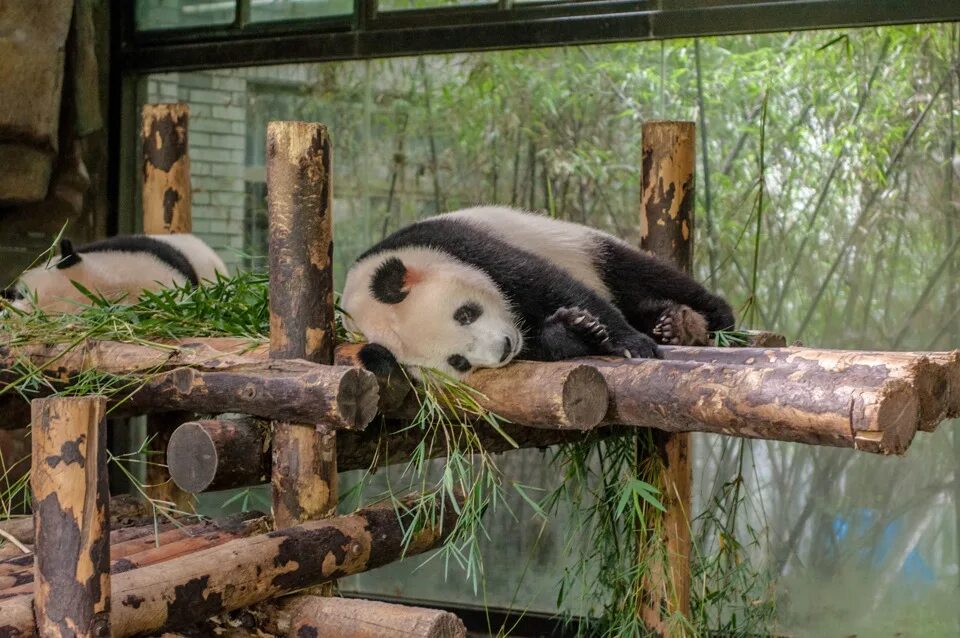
{"x": 218, "y": 454}
{"x": 245, "y": 571}
{"x": 287, "y": 390}
{"x": 166, "y": 169}
{"x": 782, "y": 404}
{"x": 935, "y": 376}
{"x": 167, "y": 209}
{"x": 149, "y": 548}
{"x": 858, "y": 384}
{"x": 71, "y": 502}
{"x": 302, "y": 323}
{"x": 666, "y": 230}
{"x": 237, "y": 453}
{"x": 356, "y": 618}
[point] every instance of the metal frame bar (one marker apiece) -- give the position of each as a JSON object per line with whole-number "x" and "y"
{"x": 499, "y": 25}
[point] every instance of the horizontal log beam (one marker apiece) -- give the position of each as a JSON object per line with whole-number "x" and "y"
{"x": 356, "y": 618}
{"x": 782, "y": 404}
{"x": 934, "y": 375}
{"x": 242, "y": 572}
{"x": 218, "y": 454}
{"x": 871, "y": 401}
{"x": 149, "y": 548}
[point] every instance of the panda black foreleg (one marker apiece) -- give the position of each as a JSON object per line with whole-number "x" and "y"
{"x": 575, "y": 332}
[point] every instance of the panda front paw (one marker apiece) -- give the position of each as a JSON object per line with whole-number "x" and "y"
{"x": 581, "y": 323}
{"x": 681, "y": 325}
{"x": 639, "y": 346}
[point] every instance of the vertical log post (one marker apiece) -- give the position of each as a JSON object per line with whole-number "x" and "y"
{"x": 299, "y": 199}
{"x": 71, "y": 518}
{"x": 167, "y": 209}
{"x": 167, "y": 199}
{"x": 667, "y": 231}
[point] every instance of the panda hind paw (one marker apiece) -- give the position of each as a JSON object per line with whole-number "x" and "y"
{"x": 681, "y": 325}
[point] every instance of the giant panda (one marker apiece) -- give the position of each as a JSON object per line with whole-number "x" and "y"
{"x": 478, "y": 287}
{"x": 118, "y": 268}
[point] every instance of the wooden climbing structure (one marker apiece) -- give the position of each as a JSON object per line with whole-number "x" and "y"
{"x": 79, "y": 569}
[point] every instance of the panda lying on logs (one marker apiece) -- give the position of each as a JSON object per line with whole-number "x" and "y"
{"x": 118, "y": 268}
{"x": 477, "y": 287}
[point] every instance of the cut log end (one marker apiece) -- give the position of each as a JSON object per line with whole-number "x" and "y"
{"x": 897, "y": 416}
{"x": 192, "y": 458}
{"x": 357, "y": 398}
{"x": 585, "y": 397}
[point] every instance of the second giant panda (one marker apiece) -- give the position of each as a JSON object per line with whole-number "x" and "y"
{"x": 118, "y": 268}
{"x": 477, "y": 287}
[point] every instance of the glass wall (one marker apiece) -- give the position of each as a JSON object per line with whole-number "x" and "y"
{"x": 858, "y": 243}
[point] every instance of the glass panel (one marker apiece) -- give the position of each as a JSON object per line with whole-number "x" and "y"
{"x": 858, "y": 249}
{"x": 269, "y": 10}
{"x": 177, "y": 14}
{"x": 406, "y": 5}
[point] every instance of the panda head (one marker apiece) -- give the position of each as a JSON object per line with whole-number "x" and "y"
{"x": 50, "y": 287}
{"x": 431, "y": 310}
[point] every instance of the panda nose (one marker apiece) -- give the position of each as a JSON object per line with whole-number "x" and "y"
{"x": 507, "y": 349}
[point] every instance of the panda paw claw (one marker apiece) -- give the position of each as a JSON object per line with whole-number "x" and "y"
{"x": 681, "y": 325}
{"x": 582, "y": 323}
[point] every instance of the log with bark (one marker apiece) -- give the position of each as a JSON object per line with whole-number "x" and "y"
{"x": 881, "y": 414}
{"x": 218, "y": 454}
{"x": 246, "y": 571}
{"x": 934, "y": 375}
{"x": 877, "y": 414}
{"x": 151, "y": 546}
{"x": 71, "y": 499}
{"x": 357, "y": 618}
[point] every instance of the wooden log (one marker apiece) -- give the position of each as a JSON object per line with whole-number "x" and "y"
{"x": 217, "y": 454}
{"x": 204, "y": 466}
{"x": 166, "y": 169}
{"x": 356, "y": 618}
{"x": 16, "y": 576}
{"x": 559, "y": 395}
{"x": 16, "y": 617}
{"x": 124, "y": 509}
{"x": 243, "y": 572}
{"x": 302, "y": 318}
{"x": 167, "y": 209}
{"x": 764, "y": 403}
{"x": 666, "y": 230}
{"x": 69, "y": 484}
{"x": 934, "y": 375}
{"x": 290, "y": 390}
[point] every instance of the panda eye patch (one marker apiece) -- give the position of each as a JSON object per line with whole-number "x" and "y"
{"x": 467, "y": 313}
{"x": 459, "y": 362}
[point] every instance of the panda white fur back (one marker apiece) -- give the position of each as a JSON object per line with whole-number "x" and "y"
{"x": 477, "y": 287}
{"x": 118, "y": 268}
{"x": 562, "y": 243}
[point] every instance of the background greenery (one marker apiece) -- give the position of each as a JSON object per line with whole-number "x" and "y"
{"x": 856, "y": 244}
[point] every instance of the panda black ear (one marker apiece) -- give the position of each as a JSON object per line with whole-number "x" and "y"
{"x": 68, "y": 255}
{"x": 389, "y": 282}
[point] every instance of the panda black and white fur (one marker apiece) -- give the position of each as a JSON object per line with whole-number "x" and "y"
{"x": 477, "y": 287}
{"x": 118, "y": 268}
